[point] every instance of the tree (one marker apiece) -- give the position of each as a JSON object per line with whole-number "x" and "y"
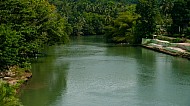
{"x": 146, "y": 25}
{"x": 180, "y": 16}
{"x": 26, "y": 25}
{"x": 9, "y": 46}
{"x": 122, "y": 28}
{"x": 8, "y": 95}
{"x": 89, "y": 16}
{"x": 166, "y": 7}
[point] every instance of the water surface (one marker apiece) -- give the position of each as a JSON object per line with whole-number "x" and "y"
{"x": 88, "y": 72}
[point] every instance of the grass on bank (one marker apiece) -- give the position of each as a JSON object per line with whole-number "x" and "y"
{"x": 10, "y": 82}
{"x": 8, "y": 94}
{"x": 173, "y": 40}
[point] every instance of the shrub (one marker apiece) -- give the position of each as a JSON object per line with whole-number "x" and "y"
{"x": 7, "y": 95}
{"x": 9, "y": 47}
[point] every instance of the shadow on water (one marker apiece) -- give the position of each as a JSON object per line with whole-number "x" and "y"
{"x": 146, "y": 66}
{"x": 162, "y": 79}
{"x": 49, "y": 81}
{"x": 181, "y": 71}
{"x": 159, "y": 79}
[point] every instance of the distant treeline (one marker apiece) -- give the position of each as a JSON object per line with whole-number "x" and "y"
{"x": 126, "y": 20}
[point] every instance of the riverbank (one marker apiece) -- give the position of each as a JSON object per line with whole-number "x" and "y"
{"x": 174, "y": 49}
{"x": 10, "y": 83}
{"x": 15, "y": 75}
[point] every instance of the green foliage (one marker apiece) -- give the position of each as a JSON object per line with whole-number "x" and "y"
{"x": 173, "y": 39}
{"x": 165, "y": 11}
{"x": 180, "y": 15}
{"x": 25, "y": 26}
{"x": 146, "y": 26}
{"x": 176, "y": 17}
{"x": 122, "y": 28}
{"x": 166, "y": 7}
{"x": 89, "y": 17}
{"x": 93, "y": 23}
{"x": 187, "y": 33}
{"x": 8, "y": 95}
{"x": 9, "y": 46}
{"x": 177, "y": 40}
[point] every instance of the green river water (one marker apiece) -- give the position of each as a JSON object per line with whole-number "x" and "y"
{"x": 88, "y": 72}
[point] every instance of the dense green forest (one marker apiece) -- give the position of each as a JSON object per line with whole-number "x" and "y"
{"x": 26, "y": 26}
{"x": 126, "y": 21}
{"x": 89, "y": 17}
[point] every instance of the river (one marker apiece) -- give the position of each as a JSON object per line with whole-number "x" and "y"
{"x": 89, "y": 72}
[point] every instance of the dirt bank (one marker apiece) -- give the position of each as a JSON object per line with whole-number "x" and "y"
{"x": 15, "y": 76}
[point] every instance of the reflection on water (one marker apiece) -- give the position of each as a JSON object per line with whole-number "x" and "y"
{"x": 48, "y": 81}
{"x": 88, "y": 72}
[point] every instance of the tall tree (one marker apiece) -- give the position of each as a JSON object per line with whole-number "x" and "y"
{"x": 146, "y": 25}
{"x": 29, "y": 24}
{"x": 180, "y": 15}
{"x": 122, "y": 28}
